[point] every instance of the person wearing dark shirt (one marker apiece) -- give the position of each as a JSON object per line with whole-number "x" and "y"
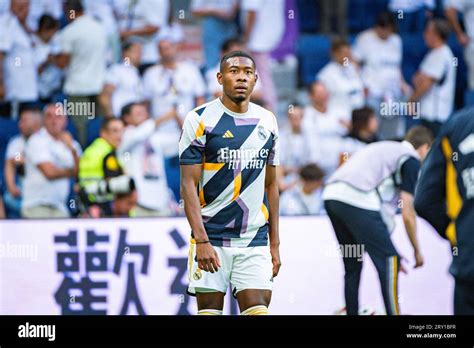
{"x": 445, "y": 198}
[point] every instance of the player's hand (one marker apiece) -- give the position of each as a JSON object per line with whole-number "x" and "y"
{"x": 418, "y": 259}
{"x": 2, "y": 91}
{"x": 402, "y": 267}
{"x": 207, "y": 257}
{"x": 275, "y": 252}
{"x": 15, "y": 191}
{"x": 463, "y": 39}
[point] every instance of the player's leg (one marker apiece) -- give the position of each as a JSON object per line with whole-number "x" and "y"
{"x": 209, "y": 303}
{"x": 254, "y": 301}
{"x": 252, "y": 279}
{"x": 352, "y": 263}
{"x": 209, "y": 288}
{"x": 372, "y": 232}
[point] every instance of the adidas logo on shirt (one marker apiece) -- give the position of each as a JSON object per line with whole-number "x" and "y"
{"x": 228, "y": 134}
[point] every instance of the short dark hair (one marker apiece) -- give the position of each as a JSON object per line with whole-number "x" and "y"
{"x": 234, "y": 54}
{"x": 127, "y": 44}
{"x": 47, "y": 22}
{"x": 386, "y": 20}
{"x": 29, "y": 108}
{"x": 295, "y": 104}
{"x": 442, "y": 28}
{"x": 313, "y": 85}
{"x": 107, "y": 121}
{"x": 74, "y": 5}
{"x": 127, "y": 108}
{"x": 338, "y": 42}
{"x": 229, "y": 43}
{"x": 360, "y": 118}
{"x": 311, "y": 172}
{"x": 419, "y": 136}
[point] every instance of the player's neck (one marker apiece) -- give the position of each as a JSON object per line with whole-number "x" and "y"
{"x": 240, "y": 108}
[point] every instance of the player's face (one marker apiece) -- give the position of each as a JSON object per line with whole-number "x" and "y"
{"x": 29, "y": 123}
{"x": 134, "y": 54}
{"x": 295, "y": 117}
{"x": 383, "y": 32}
{"x": 238, "y": 78}
{"x": 54, "y": 120}
{"x": 167, "y": 50}
{"x": 139, "y": 114}
{"x": 373, "y": 125}
{"x": 20, "y": 8}
{"x": 342, "y": 55}
{"x": 113, "y": 134}
{"x": 429, "y": 35}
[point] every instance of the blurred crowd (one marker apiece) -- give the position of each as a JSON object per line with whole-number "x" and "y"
{"x": 93, "y": 93}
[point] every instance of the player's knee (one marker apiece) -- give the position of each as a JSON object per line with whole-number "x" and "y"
{"x": 210, "y": 301}
{"x": 256, "y": 310}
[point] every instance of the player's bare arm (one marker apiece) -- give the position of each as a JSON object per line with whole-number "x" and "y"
{"x": 271, "y": 190}
{"x": 409, "y": 219}
{"x": 207, "y": 257}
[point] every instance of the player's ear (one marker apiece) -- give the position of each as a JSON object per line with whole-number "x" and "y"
{"x": 256, "y": 77}
{"x": 219, "y": 78}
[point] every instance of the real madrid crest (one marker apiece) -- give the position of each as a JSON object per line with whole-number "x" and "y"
{"x": 198, "y": 274}
{"x": 262, "y": 134}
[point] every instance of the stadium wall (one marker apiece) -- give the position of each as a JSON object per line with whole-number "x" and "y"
{"x": 130, "y": 266}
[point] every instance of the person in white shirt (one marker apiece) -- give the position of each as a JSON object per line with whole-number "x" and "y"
{"x": 172, "y": 88}
{"x": 213, "y": 86}
{"x": 18, "y": 75}
{"x": 45, "y": 47}
{"x": 142, "y": 20}
{"x": 103, "y": 11}
{"x": 379, "y": 51}
{"x": 324, "y": 129}
{"x": 306, "y": 197}
{"x": 83, "y": 51}
{"x": 217, "y": 26}
{"x": 4, "y": 6}
{"x": 263, "y": 29}
{"x": 436, "y": 78}
{"x": 342, "y": 79}
{"x": 294, "y": 148}
{"x": 123, "y": 83}
{"x": 465, "y": 38}
{"x": 51, "y": 160}
{"x": 142, "y": 157}
{"x": 28, "y": 124}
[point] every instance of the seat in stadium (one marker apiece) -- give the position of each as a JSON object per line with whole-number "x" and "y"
{"x": 362, "y": 14}
{"x": 313, "y": 54}
{"x": 414, "y": 50}
{"x": 308, "y": 13}
{"x": 93, "y": 129}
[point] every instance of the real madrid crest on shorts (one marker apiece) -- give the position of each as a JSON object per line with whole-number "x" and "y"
{"x": 198, "y": 274}
{"x": 262, "y": 134}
